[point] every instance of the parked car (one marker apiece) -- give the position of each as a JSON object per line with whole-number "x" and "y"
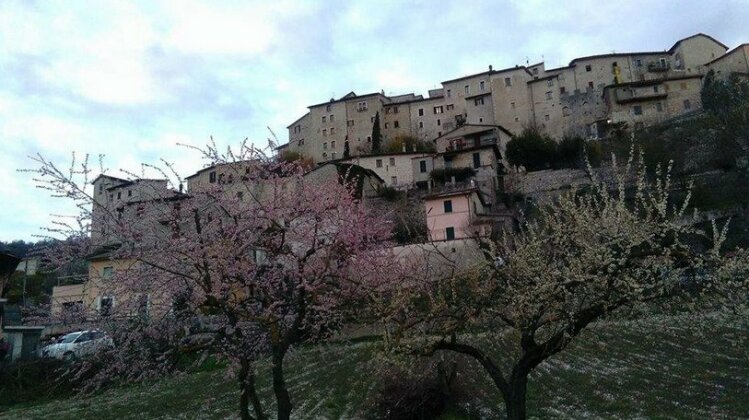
{"x": 78, "y": 344}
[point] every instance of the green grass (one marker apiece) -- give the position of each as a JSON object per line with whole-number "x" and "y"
{"x": 613, "y": 371}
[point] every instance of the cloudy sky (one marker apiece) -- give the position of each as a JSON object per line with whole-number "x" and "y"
{"x": 132, "y": 79}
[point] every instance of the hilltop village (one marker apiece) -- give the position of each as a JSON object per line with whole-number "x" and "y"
{"x": 441, "y": 168}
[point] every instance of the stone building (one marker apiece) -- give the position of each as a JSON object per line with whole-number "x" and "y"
{"x": 570, "y": 100}
{"x": 734, "y": 62}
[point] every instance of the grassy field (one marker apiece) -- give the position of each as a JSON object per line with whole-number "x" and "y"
{"x": 613, "y": 371}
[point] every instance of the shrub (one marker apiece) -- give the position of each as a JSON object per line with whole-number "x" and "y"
{"x": 571, "y": 152}
{"x": 411, "y": 143}
{"x": 389, "y": 193}
{"x": 533, "y": 150}
{"x": 34, "y": 380}
{"x": 423, "y": 392}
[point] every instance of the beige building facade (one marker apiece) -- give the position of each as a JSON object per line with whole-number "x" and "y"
{"x": 562, "y": 101}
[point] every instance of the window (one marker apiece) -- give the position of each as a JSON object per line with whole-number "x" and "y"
{"x": 325, "y": 146}
{"x": 562, "y": 90}
{"x": 439, "y": 122}
{"x": 548, "y": 95}
{"x": 324, "y": 119}
{"x": 614, "y": 64}
{"x": 421, "y": 124}
{"x": 119, "y": 195}
{"x": 369, "y": 139}
{"x": 392, "y": 161}
{"x": 212, "y": 177}
{"x": 512, "y": 105}
{"x": 105, "y": 306}
{"x": 467, "y": 89}
{"x": 663, "y": 62}
{"x": 535, "y": 70}
{"x": 476, "y": 160}
{"x": 301, "y": 142}
{"x": 637, "y": 109}
{"x": 655, "y": 89}
{"x": 332, "y": 143}
{"x": 517, "y": 119}
{"x": 550, "y": 82}
{"x": 508, "y": 81}
{"x": 439, "y": 134}
{"x": 129, "y": 193}
{"x": 324, "y": 132}
{"x": 361, "y": 106}
{"x": 450, "y": 107}
{"x": 638, "y": 63}
{"x": 448, "y": 206}
{"x": 387, "y": 125}
{"x": 546, "y": 117}
{"x": 378, "y": 163}
{"x": 450, "y": 233}
{"x": 332, "y": 130}
{"x": 325, "y": 156}
{"x": 107, "y": 273}
{"x": 481, "y": 85}
{"x": 587, "y": 68}
{"x": 438, "y": 109}
{"x": 393, "y": 180}
{"x": 327, "y": 108}
{"x": 449, "y": 93}
{"x": 565, "y": 111}
{"x": 590, "y": 85}
{"x": 659, "y": 107}
{"x": 332, "y": 155}
{"x": 421, "y": 112}
{"x": 422, "y": 166}
{"x": 395, "y": 110}
{"x": 687, "y": 104}
{"x": 332, "y": 117}
{"x": 350, "y": 123}
{"x": 478, "y": 101}
{"x": 395, "y": 124}
{"x": 298, "y": 128}
{"x": 371, "y": 119}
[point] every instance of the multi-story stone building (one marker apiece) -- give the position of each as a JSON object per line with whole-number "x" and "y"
{"x": 581, "y": 98}
{"x": 734, "y": 62}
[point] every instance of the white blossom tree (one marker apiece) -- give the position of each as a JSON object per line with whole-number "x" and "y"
{"x": 591, "y": 255}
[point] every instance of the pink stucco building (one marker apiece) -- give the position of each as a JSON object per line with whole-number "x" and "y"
{"x": 455, "y": 214}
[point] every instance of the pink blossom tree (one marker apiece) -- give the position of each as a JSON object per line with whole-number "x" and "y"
{"x": 594, "y": 254}
{"x": 262, "y": 256}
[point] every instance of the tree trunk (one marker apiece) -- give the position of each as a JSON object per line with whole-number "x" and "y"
{"x": 283, "y": 400}
{"x": 515, "y": 395}
{"x": 247, "y": 393}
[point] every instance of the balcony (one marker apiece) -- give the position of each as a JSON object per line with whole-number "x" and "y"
{"x": 656, "y": 66}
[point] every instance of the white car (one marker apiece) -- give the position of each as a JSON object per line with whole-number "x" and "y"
{"x": 77, "y": 344}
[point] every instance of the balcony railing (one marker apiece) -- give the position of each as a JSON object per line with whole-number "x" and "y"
{"x": 656, "y": 66}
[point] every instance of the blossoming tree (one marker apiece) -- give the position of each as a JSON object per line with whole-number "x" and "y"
{"x": 264, "y": 256}
{"x": 589, "y": 256}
